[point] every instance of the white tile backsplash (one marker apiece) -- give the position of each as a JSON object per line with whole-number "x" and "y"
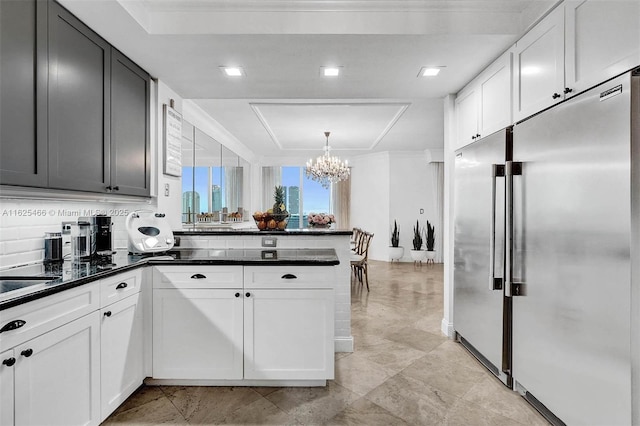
{"x": 24, "y": 222}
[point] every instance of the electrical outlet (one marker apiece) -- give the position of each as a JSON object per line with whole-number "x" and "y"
{"x": 269, "y": 242}
{"x": 166, "y": 189}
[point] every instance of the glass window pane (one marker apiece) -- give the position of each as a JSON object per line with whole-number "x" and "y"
{"x": 217, "y": 188}
{"x": 187, "y": 195}
{"x": 315, "y": 199}
{"x": 291, "y": 183}
{"x": 201, "y": 187}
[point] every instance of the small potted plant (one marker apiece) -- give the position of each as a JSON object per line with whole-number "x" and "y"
{"x": 430, "y": 241}
{"x": 395, "y": 250}
{"x": 417, "y": 254}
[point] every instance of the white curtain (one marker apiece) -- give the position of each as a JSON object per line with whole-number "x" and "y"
{"x": 437, "y": 178}
{"x": 233, "y": 192}
{"x": 271, "y": 177}
{"x": 341, "y": 201}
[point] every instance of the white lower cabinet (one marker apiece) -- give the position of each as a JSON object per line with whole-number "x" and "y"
{"x": 197, "y": 333}
{"x": 269, "y": 327}
{"x": 288, "y": 334}
{"x": 7, "y": 361}
{"x": 57, "y": 376}
{"x": 121, "y": 349}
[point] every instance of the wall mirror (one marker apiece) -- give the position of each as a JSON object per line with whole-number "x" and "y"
{"x": 213, "y": 179}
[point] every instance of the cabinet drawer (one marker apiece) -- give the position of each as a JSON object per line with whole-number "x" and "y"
{"x": 43, "y": 315}
{"x": 118, "y": 287}
{"x": 197, "y": 276}
{"x": 289, "y": 276}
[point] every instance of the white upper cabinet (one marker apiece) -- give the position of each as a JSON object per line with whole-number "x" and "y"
{"x": 538, "y": 65}
{"x": 602, "y": 40}
{"x": 467, "y": 116}
{"x": 495, "y": 96}
{"x": 484, "y": 105}
{"x": 578, "y": 45}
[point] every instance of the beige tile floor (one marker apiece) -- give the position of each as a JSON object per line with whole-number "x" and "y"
{"x": 403, "y": 372}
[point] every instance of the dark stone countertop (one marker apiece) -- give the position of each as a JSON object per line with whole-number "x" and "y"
{"x": 255, "y": 231}
{"x": 60, "y": 277}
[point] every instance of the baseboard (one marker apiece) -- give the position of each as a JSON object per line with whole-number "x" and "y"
{"x": 262, "y": 383}
{"x": 447, "y": 329}
{"x": 343, "y": 344}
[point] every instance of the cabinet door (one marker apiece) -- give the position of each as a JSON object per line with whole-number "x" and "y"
{"x": 602, "y": 41}
{"x": 130, "y": 143}
{"x": 7, "y": 360}
{"x": 121, "y": 370}
{"x": 288, "y": 334}
{"x": 23, "y": 84}
{"x": 57, "y": 376}
{"x": 197, "y": 334}
{"x": 467, "y": 116}
{"x": 539, "y": 66}
{"x": 79, "y": 66}
{"x": 495, "y": 96}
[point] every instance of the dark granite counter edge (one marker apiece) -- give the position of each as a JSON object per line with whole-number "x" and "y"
{"x": 246, "y": 262}
{"x": 319, "y": 232}
{"x": 57, "y": 288}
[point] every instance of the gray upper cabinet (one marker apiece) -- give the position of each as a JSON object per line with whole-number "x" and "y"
{"x": 79, "y": 69}
{"x": 23, "y": 85}
{"x": 130, "y": 142}
{"x": 74, "y": 112}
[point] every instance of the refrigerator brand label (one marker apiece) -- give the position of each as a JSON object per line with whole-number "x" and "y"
{"x": 611, "y": 92}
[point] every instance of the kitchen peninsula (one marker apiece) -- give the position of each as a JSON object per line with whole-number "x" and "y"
{"x": 237, "y": 317}
{"x": 309, "y": 238}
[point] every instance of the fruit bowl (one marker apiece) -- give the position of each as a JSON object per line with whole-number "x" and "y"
{"x": 271, "y": 221}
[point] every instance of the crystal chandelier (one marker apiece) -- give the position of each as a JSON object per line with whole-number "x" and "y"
{"x": 327, "y": 169}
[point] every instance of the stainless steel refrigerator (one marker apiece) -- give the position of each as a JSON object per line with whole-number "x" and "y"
{"x": 546, "y": 255}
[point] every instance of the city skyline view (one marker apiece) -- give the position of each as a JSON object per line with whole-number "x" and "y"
{"x": 208, "y": 192}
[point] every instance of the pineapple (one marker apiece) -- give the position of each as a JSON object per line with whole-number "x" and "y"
{"x": 279, "y": 209}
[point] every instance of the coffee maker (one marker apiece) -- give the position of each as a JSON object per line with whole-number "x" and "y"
{"x": 101, "y": 235}
{"x": 104, "y": 235}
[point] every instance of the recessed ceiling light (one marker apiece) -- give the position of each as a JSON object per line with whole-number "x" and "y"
{"x": 330, "y": 71}
{"x": 232, "y": 71}
{"x": 429, "y": 71}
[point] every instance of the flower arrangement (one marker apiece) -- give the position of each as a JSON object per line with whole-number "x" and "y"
{"x": 320, "y": 219}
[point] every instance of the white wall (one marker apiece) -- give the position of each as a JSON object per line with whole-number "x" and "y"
{"x": 370, "y": 200}
{"x": 411, "y": 189}
{"x": 449, "y": 161}
{"x": 387, "y": 186}
{"x": 170, "y": 205}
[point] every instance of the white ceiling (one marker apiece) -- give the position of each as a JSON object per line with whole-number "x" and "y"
{"x": 282, "y": 106}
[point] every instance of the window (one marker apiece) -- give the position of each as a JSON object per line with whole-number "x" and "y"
{"x": 302, "y": 196}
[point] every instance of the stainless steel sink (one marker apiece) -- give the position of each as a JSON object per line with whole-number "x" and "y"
{"x": 8, "y": 284}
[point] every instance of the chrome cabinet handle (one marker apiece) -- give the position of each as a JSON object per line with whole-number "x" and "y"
{"x": 512, "y": 169}
{"x": 497, "y": 170}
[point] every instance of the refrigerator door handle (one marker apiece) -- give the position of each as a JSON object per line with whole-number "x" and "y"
{"x": 497, "y": 170}
{"x": 512, "y": 168}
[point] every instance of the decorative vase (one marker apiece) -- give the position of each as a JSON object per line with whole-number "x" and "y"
{"x": 319, "y": 226}
{"x": 431, "y": 255}
{"x": 418, "y": 255}
{"x": 396, "y": 253}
